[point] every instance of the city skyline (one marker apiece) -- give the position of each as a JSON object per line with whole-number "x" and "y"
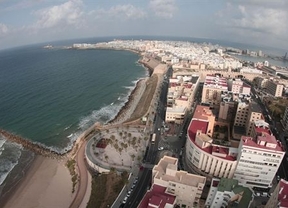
{"x": 252, "y": 22}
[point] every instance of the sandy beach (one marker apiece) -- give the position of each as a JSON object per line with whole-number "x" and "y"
{"x": 47, "y": 183}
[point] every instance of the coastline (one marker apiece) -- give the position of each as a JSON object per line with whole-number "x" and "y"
{"x": 40, "y": 182}
{"x": 37, "y": 188}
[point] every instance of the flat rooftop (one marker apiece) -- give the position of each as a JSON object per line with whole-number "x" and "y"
{"x": 267, "y": 142}
{"x": 202, "y": 112}
{"x": 182, "y": 177}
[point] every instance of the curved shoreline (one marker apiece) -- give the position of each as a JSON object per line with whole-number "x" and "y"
{"x": 50, "y": 153}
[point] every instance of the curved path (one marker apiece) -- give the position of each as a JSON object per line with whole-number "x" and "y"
{"x": 83, "y": 177}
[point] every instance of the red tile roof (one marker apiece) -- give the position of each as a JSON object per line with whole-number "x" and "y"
{"x": 283, "y": 193}
{"x": 196, "y": 125}
{"x": 250, "y": 142}
{"x": 156, "y": 196}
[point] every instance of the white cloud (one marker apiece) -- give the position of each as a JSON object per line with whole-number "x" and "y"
{"x": 163, "y": 8}
{"x": 262, "y": 21}
{"x": 3, "y": 29}
{"x": 68, "y": 13}
{"x": 127, "y": 11}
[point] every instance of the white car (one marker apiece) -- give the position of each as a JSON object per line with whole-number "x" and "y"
{"x": 160, "y": 148}
{"x": 125, "y": 200}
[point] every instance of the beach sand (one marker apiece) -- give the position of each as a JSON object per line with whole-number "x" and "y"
{"x": 47, "y": 183}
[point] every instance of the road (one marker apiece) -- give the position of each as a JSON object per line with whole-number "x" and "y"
{"x": 145, "y": 175}
{"x": 83, "y": 177}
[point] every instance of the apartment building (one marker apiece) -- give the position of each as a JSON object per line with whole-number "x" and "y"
{"x": 258, "y": 160}
{"x": 180, "y": 96}
{"x": 274, "y": 88}
{"x": 284, "y": 120}
{"x": 185, "y": 186}
{"x": 223, "y": 110}
{"x": 279, "y": 197}
{"x": 212, "y": 90}
{"x": 240, "y": 119}
{"x": 254, "y": 114}
{"x": 227, "y": 192}
{"x": 237, "y": 86}
{"x": 202, "y": 154}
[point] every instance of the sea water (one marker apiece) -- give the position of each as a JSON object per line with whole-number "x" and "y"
{"x": 51, "y": 96}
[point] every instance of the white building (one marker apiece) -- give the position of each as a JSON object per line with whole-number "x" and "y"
{"x": 185, "y": 186}
{"x": 212, "y": 89}
{"x": 201, "y": 154}
{"x": 258, "y": 160}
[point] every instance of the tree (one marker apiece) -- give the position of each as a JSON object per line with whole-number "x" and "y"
{"x": 106, "y": 158}
{"x": 133, "y": 157}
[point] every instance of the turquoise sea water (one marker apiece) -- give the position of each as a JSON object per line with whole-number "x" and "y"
{"x": 52, "y": 95}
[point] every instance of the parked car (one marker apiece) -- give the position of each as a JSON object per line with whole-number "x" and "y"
{"x": 160, "y": 148}
{"x": 124, "y": 200}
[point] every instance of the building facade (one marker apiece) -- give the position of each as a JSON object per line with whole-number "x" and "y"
{"x": 212, "y": 90}
{"x": 274, "y": 88}
{"x": 279, "y": 197}
{"x": 202, "y": 154}
{"x": 258, "y": 160}
{"x": 185, "y": 186}
{"x": 284, "y": 120}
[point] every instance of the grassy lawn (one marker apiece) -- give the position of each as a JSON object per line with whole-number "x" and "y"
{"x": 105, "y": 189}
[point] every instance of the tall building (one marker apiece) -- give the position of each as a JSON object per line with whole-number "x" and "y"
{"x": 237, "y": 86}
{"x": 258, "y": 160}
{"x": 212, "y": 89}
{"x": 284, "y": 120}
{"x": 227, "y": 192}
{"x": 223, "y": 111}
{"x": 279, "y": 197}
{"x": 274, "y": 88}
{"x": 185, "y": 186}
{"x": 260, "y": 53}
{"x": 254, "y": 114}
{"x": 205, "y": 155}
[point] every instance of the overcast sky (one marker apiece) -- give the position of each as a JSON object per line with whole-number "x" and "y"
{"x": 260, "y": 22}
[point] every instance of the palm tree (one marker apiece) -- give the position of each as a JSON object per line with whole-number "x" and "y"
{"x": 133, "y": 157}
{"x": 106, "y": 158}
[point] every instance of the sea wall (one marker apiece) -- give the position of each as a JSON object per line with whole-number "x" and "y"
{"x": 32, "y": 146}
{"x": 149, "y": 63}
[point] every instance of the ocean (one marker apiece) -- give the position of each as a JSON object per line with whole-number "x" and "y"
{"x": 51, "y": 96}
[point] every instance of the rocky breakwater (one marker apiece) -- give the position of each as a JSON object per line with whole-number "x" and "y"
{"x": 34, "y": 147}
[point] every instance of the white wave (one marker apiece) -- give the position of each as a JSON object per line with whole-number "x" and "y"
{"x": 102, "y": 115}
{"x": 129, "y": 87}
{"x": 2, "y": 141}
{"x": 67, "y": 127}
{"x": 70, "y": 135}
{"x": 7, "y": 163}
